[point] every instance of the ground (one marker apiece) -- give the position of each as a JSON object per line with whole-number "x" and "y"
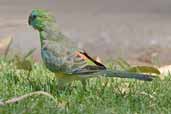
{"x": 135, "y": 30}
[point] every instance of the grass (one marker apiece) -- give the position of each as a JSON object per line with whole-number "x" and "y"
{"x": 102, "y": 95}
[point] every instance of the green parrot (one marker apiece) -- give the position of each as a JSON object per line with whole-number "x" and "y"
{"x": 62, "y": 56}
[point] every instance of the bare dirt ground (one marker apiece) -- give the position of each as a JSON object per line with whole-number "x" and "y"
{"x": 139, "y": 31}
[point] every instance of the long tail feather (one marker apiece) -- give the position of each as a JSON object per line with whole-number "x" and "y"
{"x": 123, "y": 74}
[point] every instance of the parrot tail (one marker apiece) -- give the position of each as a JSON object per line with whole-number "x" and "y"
{"x": 123, "y": 74}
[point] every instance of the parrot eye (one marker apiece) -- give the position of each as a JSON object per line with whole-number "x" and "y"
{"x": 34, "y": 17}
{"x": 31, "y": 18}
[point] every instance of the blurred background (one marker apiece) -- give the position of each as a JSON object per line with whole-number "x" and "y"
{"x": 136, "y": 30}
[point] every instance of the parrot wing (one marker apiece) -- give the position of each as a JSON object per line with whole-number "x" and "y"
{"x": 88, "y": 69}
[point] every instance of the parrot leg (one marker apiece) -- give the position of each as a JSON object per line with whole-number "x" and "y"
{"x": 64, "y": 85}
{"x": 84, "y": 84}
{"x": 61, "y": 84}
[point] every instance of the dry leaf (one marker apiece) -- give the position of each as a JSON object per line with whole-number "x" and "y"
{"x": 98, "y": 59}
{"x": 5, "y": 42}
{"x": 165, "y": 70}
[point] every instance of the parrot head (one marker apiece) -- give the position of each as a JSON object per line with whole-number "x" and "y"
{"x": 40, "y": 18}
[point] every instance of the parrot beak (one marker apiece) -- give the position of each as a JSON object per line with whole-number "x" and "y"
{"x": 29, "y": 20}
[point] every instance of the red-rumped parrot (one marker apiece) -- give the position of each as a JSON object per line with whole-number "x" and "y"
{"x": 62, "y": 56}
